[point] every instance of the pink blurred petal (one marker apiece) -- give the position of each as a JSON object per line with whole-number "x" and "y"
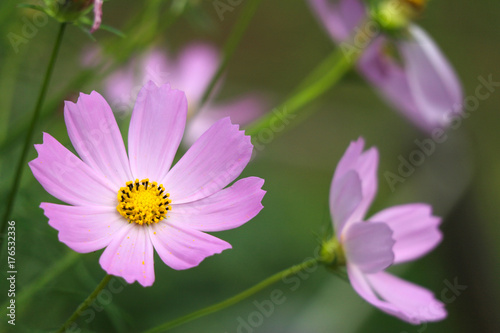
{"x": 345, "y": 197}
{"x": 365, "y": 164}
{"x": 339, "y": 18}
{"x": 242, "y": 110}
{"x": 432, "y": 80}
{"x": 84, "y": 229}
{"x": 214, "y": 161}
{"x": 390, "y": 79}
{"x": 368, "y": 246}
{"x": 96, "y": 137}
{"x": 158, "y": 68}
{"x": 196, "y": 65}
{"x": 424, "y": 88}
{"x": 416, "y": 231}
{"x": 182, "y": 247}
{"x": 226, "y": 209}
{"x": 67, "y": 178}
{"x": 156, "y": 130}
{"x": 120, "y": 90}
{"x": 97, "y": 15}
{"x": 130, "y": 255}
{"x": 361, "y": 285}
{"x": 417, "y": 303}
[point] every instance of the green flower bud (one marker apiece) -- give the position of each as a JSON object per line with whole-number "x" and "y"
{"x": 394, "y": 15}
{"x": 68, "y": 10}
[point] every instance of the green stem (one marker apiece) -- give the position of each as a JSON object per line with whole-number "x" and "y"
{"x": 237, "y": 298}
{"x": 322, "y": 78}
{"x": 85, "y": 304}
{"x": 29, "y": 135}
{"x": 230, "y": 47}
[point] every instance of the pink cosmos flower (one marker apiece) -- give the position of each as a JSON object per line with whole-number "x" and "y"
{"x": 132, "y": 204}
{"x": 191, "y": 72}
{"x": 422, "y": 85}
{"x": 395, "y": 235}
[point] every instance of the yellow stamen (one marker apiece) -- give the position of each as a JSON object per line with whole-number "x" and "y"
{"x": 143, "y": 202}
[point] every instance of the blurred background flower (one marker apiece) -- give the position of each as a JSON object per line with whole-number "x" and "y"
{"x": 408, "y": 69}
{"x": 191, "y": 71}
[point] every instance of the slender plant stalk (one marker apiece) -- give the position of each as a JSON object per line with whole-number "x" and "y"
{"x": 237, "y": 298}
{"x": 326, "y": 74}
{"x": 231, "y": 45}
{"x": 85, "y": 304}
{"x": 29, "y": 135}
{"x": 321, "y": 79}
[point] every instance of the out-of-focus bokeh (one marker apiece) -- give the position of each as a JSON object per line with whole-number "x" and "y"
{"x": 460, "y": 178}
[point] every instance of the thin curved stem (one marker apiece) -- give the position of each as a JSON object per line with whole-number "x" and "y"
{"x": 85, "y": 304}
{"x": 337, "y": 65}
{"x": 237, "y": 298}
{"x": 29, "y": 135}
{"x": 321, "y": 78}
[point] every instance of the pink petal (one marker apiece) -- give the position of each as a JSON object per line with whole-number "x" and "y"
{"x": 183, "y": 248}
{"x": 96, "y": 137}
{"x": 120, "y": 88}
{"x": 196, "y": 65}
{"x": 156, "y": 67}
{"x": 340, "y": 18}
{"x": 387, "y": 75}
{"x": 435, "y": 85}
{"x": 241, "y": 110}
{"x": 345, "y": 197}
{"x": 416, "y": 303}
{"x": 97, "y": 15}
{"x": 227, "y": 209}
{"x": 67, "y": 178}
{"x": 399, "y": 298}
{"x": 368, "y": 245}
{"x": 214, "y": 161}
{"x": 130, "y": 255}
{"x": 361, "y": 285}
{"x": 415, "y": 230}
{"x": 365, "y": 164}
{"x": 84, "y": 229}
{"x": 156, "y": 130}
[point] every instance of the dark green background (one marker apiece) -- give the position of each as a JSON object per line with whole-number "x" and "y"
{"x": 284, "y": 43}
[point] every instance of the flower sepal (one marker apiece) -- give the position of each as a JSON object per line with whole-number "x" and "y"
{"x": 71, "y": 11}
{"x": 68, "y": 10}
{"x": 332, "y": 254}
{"x": 394, "y": 16}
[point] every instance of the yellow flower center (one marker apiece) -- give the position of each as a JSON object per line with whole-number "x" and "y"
{"x": 143, "y": 202}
